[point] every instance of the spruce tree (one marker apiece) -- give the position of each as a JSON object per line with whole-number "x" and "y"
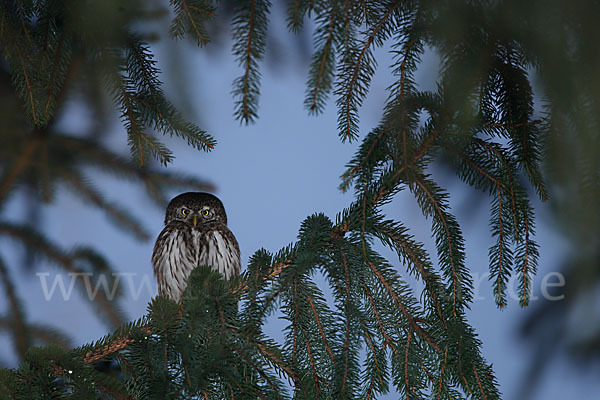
{"x": 375, "y": 335}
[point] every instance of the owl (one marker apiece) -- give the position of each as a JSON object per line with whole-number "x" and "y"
{"x": 195, "y": 233}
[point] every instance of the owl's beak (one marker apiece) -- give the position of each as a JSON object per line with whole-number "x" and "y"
{"x": 195, "y": 219}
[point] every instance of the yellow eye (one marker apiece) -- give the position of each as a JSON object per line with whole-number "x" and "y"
{"x": 184, "y": 211}
{"x": 205, "y": 213}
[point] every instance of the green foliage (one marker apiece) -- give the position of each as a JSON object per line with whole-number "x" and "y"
{"x": 358, "y": 61}
{"x": 143, "y": 104}
{"x": 16, "y": 320}
{"x": 37, "y": 40}
{"x": 55, "y": 51}
{"x": 362, "y": 331}
{"x": 328, "y": 36}
{"x": 249, "y": 33}
{"x": 40, "y": 52}
{"x": 212, "y": 346}
{"x": 190, "y": 19}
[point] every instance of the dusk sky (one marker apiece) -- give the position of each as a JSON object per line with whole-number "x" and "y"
{"x": 271, "y": 175}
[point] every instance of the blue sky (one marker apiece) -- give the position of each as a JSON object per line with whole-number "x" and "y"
{"x": 271, "y": 175}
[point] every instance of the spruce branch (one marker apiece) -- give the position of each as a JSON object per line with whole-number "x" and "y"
{"x": 483, "y": 396}
{"x": 59, "y": 76}
{"x": 349, "y": 22}
{"x": 155, "y": 180}
{"x": 389, "y": 341}
{"x": 427, "y": 144}
{"x": 120, "y": 342}
{"x": 40, "y": 333}
{"x": 277, "y": 361}
{"x": 377, "y": 368}
{"x": 439, "y": 389}
{"x": 477, "y": 167}
{"x": 358, "y": 163}
{"x": 323, "y": 337}
{"x": 140, "y": 143}
{"x": 19, "y": 166}
{"x": 449, "y": 241}
{"x": 249, "y": 34}
{"x": 509, "y": 170}
{"x": 416, "y": 255}
{"x": 517, "y": 107}
{"x": 154, "y": 109}
{"x": 500, "y": 255}
{"x": 82, "y": 186}
{"x": 509, "y": 200}
{"x": 190, "y": 17}
{"x": 211, "y": 348}
{"x": 407, "y": 387}
{"x": 28, "y": 86}
{"x": 296, "y": 13}
{"x": 526, "y": 257}
{"x": 261, "y": 372}
{"x": 322, "y": 78}
{"x": 348, "y": 308}
{"x": 33, "y": 241}
{"x": 357, "y": 71}
{"x": 18, "y": 326}
{"x": 396, "y": 299}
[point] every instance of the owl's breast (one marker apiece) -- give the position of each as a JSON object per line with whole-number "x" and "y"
{"x": 219, "y": 250}
{"x": 175, "y": 256}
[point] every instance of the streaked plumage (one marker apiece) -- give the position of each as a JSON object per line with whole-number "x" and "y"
{"x": 195, "y": 234}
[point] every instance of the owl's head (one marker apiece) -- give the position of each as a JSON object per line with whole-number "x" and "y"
{"x": 196, "y": 208}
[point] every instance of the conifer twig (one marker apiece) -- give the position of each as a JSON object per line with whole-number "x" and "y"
{"x": 21, "y": 163}
{"x": 115, "y": 345}
{"x": 28, "y": 84}
{"x": 442, "y": 374}
{"x": 349, "y": 174}
{"x": 62, "y": 259}
{"x": 247, "y": 60}
{"x": 448, "y": 238}
{"x": 16, "y": 321}
{"x": 277, "y": 360}
{"x": 314, "y": 310}
{"x": 479, "y": 383}
{"x": 388, "y": 340}
{"x": 121, "y": 342}
{"x": 406, "y": 380}
{"x": 407, "y": 315}
{"x": 349, "y": 94}
{"x": 318, "y": 87}
{"x": 421, "y": 269}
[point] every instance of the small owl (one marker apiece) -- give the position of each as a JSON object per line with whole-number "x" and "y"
{"x": 195, "y": 234}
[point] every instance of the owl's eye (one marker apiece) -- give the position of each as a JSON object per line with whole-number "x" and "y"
{"x": 184, "y": 211}
{"x": 205, "y": 212}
